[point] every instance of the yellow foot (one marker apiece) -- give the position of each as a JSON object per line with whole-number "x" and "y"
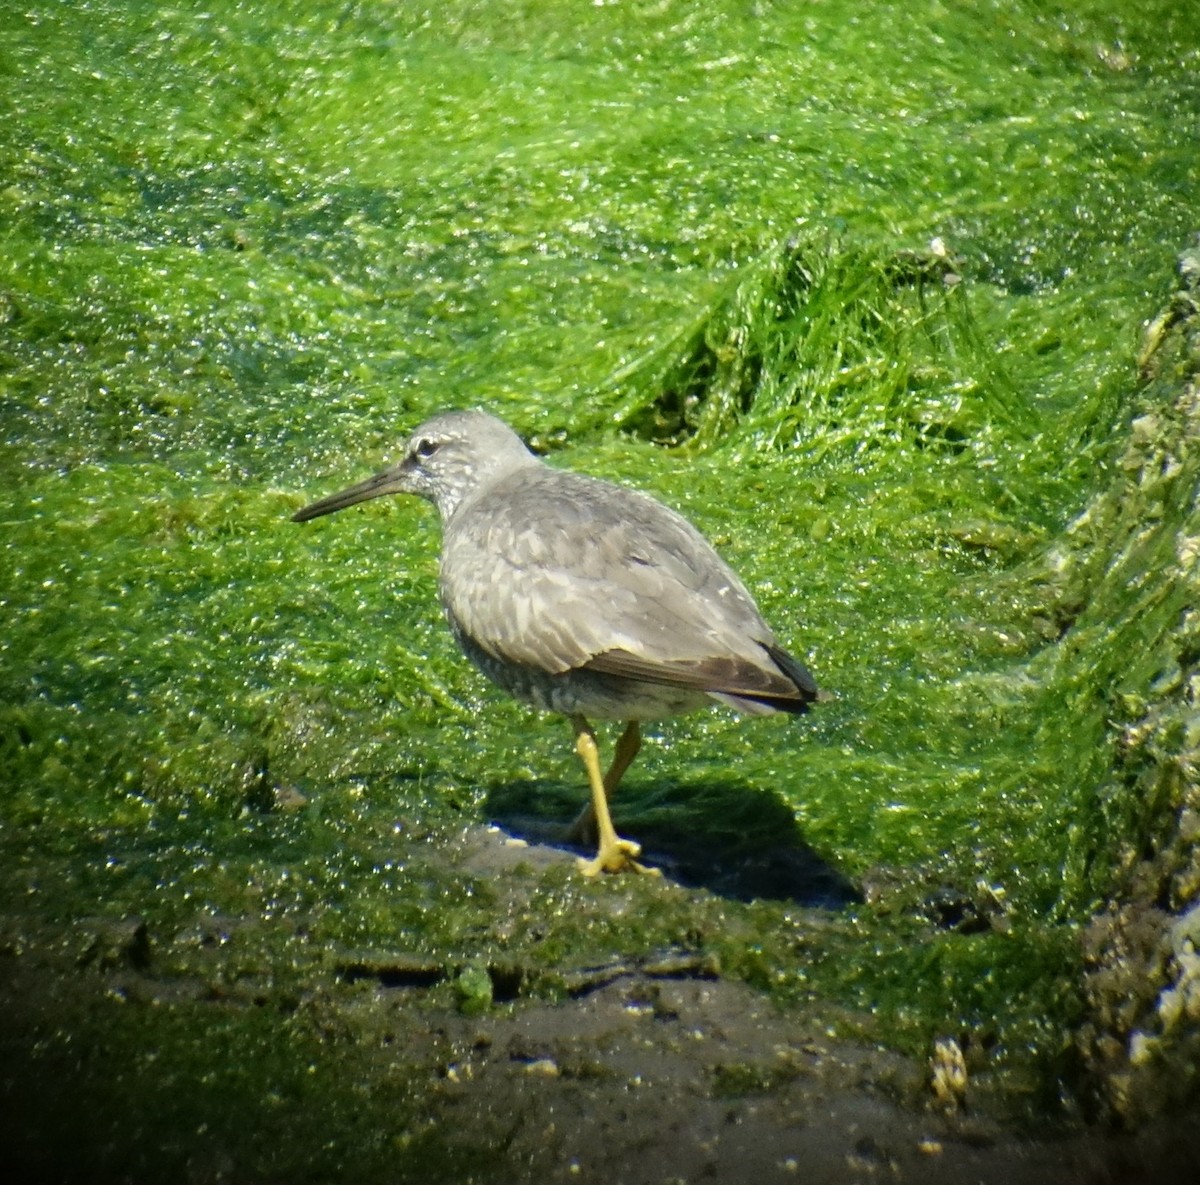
{"x": 616, "y": 857}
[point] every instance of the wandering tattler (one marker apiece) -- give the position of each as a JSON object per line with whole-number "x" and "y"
{"x": 583, "y": 598}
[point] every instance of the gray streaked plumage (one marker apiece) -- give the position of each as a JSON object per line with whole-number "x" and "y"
{"x": 583, "y": 598}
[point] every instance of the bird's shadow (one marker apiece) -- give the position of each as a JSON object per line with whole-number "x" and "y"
{"x": 732, "y": 839}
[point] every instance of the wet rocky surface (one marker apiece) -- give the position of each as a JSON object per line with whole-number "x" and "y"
{"x": 647, "y": 1070}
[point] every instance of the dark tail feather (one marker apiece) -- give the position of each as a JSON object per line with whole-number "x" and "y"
{"x": 799, "y": 674}
{"x": 762, "y": 705}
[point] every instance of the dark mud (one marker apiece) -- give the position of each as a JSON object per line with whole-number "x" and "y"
{"x": 650, "y": 1071}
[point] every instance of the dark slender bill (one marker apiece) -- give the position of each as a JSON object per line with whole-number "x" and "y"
{"x": 373, "y": 487}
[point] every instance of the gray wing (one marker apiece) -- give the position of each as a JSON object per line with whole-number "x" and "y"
{"x": 559, "y": 571}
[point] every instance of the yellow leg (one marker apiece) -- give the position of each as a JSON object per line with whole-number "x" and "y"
{"x": 583, "y": 829}
{"x": 614, "y": 854}
{"x": 627, "y": 750}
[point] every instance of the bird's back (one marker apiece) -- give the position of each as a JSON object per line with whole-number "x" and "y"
{"x": 555, "y": 571}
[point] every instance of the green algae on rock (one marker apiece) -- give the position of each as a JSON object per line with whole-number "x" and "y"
{"x": 247, "y": 247}
{"x": 1141, "y": 588}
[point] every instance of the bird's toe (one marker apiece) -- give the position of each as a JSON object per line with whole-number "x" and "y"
{"x": 618, "y": 856}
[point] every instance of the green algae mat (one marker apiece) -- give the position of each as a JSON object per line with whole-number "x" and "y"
{"x": 898, "y": 304}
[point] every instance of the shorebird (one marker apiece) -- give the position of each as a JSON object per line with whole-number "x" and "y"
{"x": 583, "y": 598}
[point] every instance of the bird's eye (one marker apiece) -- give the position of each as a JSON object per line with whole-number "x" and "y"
{"x": 426, "y": 448}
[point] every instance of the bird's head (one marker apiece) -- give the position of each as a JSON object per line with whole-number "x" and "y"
{"x": 446, "y": 459}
